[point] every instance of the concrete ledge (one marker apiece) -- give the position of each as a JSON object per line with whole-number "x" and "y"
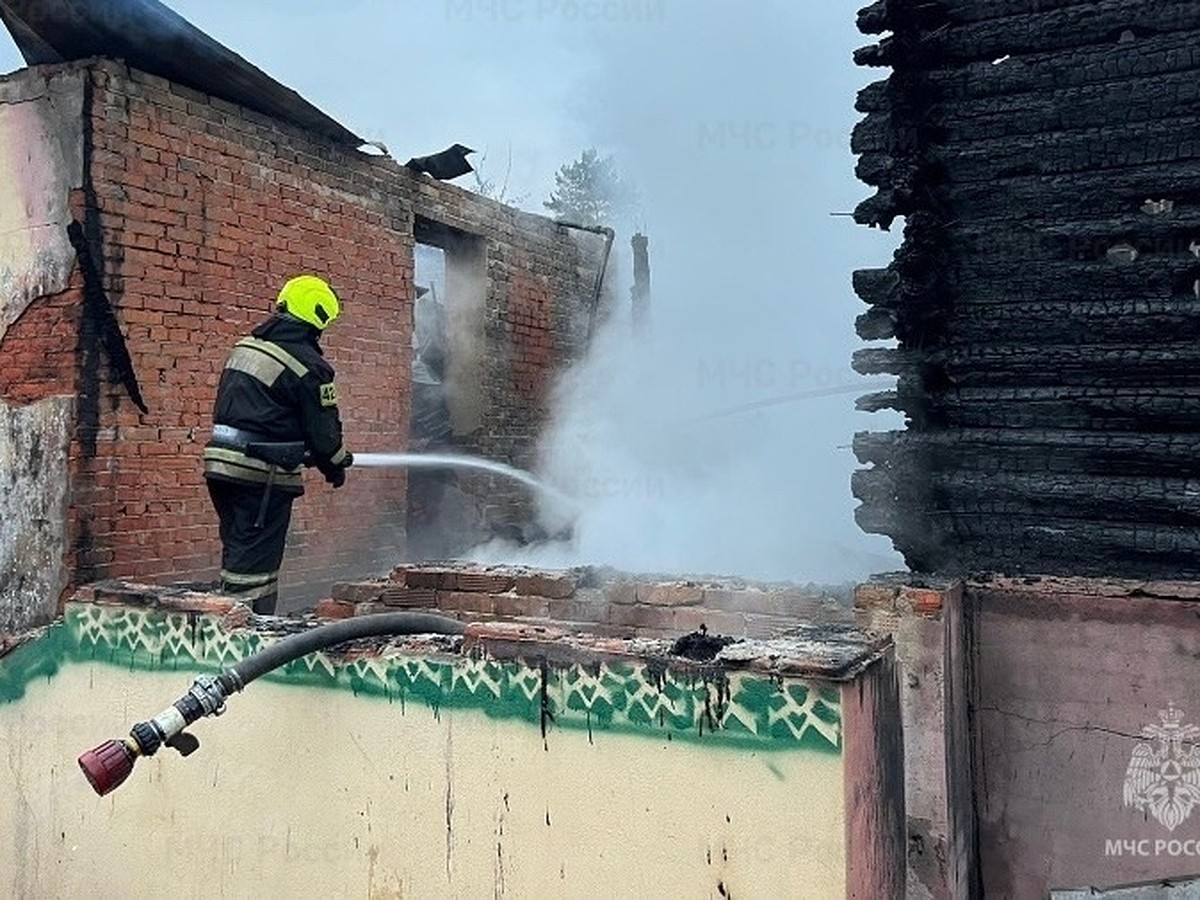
{"x": 835, "y": 652}
{"x": 1166, "y": 889}
{"x": 1069, "y": 588}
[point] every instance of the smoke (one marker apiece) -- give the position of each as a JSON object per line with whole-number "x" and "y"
{"x": 718, "y": 440}
{"x": 661, "y": 484}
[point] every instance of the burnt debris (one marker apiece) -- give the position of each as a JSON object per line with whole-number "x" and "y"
{"x": 1045, "y": 301}
{"x": 701, "y": 646}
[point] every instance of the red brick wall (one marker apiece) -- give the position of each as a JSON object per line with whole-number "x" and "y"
{"x": 543, "y": 287}
{"x": 198, "y": 210}
{"x": 39, "y": 348}
{"x": 204, "y": 210}
{"x": 533, "y": 351}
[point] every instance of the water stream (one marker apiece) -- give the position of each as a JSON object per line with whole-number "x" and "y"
{"x": 460, "y": 461}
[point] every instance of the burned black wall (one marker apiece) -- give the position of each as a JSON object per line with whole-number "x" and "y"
{"x": 1045, "y": 301}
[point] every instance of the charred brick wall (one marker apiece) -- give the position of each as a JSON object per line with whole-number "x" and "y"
{"x": 1043, "y": 303}
{"x": 195, "y": 211}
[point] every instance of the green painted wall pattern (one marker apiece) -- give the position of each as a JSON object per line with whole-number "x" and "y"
{"x": 742, "y": 709}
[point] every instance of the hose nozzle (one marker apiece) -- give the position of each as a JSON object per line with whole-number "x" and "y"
{"x": 107, "y": 766}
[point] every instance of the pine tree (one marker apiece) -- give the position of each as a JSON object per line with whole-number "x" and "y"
{"x": 588, "y": 191}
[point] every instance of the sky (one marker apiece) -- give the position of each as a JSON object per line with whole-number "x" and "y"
{"x": 732, "y": 120}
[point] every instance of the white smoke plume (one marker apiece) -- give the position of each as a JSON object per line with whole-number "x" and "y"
{"x": 718, "y": 441}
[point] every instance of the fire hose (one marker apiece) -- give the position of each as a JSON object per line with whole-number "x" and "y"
{"x": 108, "y": 765}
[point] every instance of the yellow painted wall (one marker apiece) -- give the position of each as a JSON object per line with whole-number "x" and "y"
{"x": 307, "y": 791}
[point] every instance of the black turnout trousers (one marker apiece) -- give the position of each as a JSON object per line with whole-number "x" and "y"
{"x": 251, "y": 556}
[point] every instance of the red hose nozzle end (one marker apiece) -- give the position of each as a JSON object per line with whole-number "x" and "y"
{"x": 107, "y": 766}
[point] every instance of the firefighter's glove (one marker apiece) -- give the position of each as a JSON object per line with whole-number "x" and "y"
{"x": 348, "y": 461}
{"x": 337, "y": 477}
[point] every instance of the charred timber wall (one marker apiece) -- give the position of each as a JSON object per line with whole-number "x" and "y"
{"x": 1045, "y": 301}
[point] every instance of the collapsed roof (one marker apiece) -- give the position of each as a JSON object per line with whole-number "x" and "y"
{"x": 152, "y": 38}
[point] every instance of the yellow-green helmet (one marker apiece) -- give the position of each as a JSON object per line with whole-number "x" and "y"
{"x": 310, "y": 299}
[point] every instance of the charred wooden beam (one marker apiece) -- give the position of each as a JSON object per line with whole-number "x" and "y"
{"x": 1097, "y": 408}
{"x": 1137, "y": 321}
{"x": 1065, "y": 29}
{"x": 1149, "y": 100}
{"x": 962, "y": 160}
{"x": 884, "y": 15}
{"x": 1074, "y": 194}
{"x": 876, "y": 325}
{"x": 878, "y": 401}
{"x": 1086, "y": 365}
{"x": 1155, "y": 500}
{"x": 1150, "y": 278}
{"x": 1162, "y": 454}
{"x": 982, "y": 541}
{"x": 880, "y": 287}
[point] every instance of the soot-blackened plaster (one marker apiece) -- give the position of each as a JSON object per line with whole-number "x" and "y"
{"x": 33, "y": 511}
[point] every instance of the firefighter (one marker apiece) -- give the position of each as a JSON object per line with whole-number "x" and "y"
{"x": 276, "y": 410}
